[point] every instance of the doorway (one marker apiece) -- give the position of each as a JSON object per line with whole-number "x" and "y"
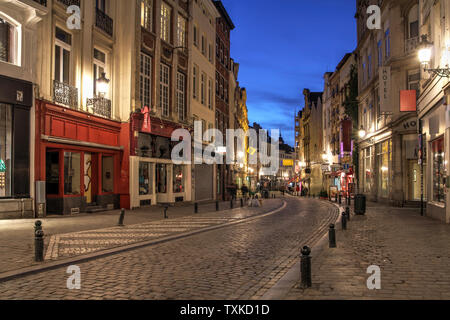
{"x": 414, "y": 181}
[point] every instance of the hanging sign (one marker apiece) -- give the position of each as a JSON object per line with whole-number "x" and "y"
{"x": 385, "y": 88}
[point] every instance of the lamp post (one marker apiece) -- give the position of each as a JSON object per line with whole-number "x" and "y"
{"x": 100, "y": 105}
{"x": 425, "y": 54}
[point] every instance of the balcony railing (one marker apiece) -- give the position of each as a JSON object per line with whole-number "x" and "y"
{"x": 65, "y": 94}
{"x": 104, "y": 22}
{"x": 411, "y": 44}
{"x": 100, "y": 107}
{"x": 69, "y": 3}
{"x": 41, "y": 2}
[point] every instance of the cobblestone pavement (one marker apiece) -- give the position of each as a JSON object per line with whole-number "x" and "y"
{"x": 413, "y": 253}
{"x": 236, "y": 262}
{"x": 17, "y": 236}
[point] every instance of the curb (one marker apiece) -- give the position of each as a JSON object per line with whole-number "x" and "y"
{"x": 285, "y": 284}
{"x": 10, "y": 275}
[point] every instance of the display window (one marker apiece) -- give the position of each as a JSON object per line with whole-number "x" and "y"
{"x": 178, "y": 179}
{"x": 438, "y": 170}
{"x": 145, "y": 179}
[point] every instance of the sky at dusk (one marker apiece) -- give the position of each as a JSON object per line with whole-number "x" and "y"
{"x": 284, "y": 46}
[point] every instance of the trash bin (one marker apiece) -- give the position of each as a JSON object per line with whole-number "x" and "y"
{"x": 360, "y": 204}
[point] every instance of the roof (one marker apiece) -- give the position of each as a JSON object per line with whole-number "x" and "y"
{"x": 224, "y": 13}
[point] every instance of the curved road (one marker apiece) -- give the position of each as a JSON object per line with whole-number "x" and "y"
{"x": 236, "y": 262}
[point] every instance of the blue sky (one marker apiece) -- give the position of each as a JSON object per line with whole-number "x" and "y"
{"x": 284, "y": 46}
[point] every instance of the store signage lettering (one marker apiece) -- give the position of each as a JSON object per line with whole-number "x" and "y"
{"x": 385, "y": 86}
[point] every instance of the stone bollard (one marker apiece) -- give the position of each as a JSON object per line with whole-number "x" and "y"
{"x": 196, "y": 207}
{"x": 347, "y": 212}
{"x": 121, "y": 218}
{"x": 166, "y": 207}
{"x": 332, "y": 236}
{"x": 217, "y": 205}
{"x": 39, "y": 246}
{"x": 344, "y": 221}
{"x": 305, "y": 268}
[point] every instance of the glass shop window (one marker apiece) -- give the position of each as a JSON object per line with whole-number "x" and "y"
{"x": 52, "y": 173}
{"x": 438, "y": 170}
{"x": 72, "y": 173}
{"x": 161, "y": 178}
{"x": 178, "y": 179}
{"x": 145, "y": 179}
{"x": 5, "y": 150}
{"x": 108, "y": 174}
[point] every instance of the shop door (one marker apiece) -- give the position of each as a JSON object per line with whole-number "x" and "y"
{"x": 161, "y": 182}
{"x": 52, "y": 171}
{"x": 414, "y": 181}
{"x": 88, "y": 177}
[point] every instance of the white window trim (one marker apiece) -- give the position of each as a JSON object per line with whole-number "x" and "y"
{"x": 144, "y": 76}
{"x": 17, "y": 41}
{"x": 63, "y": 46}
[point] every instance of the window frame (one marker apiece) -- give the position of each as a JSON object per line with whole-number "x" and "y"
{"x": 164, "y": 89}
{"x": 143, "y": 77}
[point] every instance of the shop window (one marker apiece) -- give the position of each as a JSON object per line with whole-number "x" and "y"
{"x": 368, "y": 169}
{"x": 161, "y": 178}
{"x": 52, "y": 173}
{"x": 5, "y": 150}
{"x": 145, "y": 179}
{"x": 438, "y": 170}
{"x": 178, "y": 179}
{"x": 107, "y": 174}
{"x": 10, "y": 34}
{"x": 384, "y": 160}
{"x": 72, "y": 173}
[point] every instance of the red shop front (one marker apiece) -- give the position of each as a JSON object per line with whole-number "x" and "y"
{"x": 81, "y": 159}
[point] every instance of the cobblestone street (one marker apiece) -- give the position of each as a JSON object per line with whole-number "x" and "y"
{"x": 17, "y": 236}
{"x": 240, "y": 261}
{"x": 412, "y": 252}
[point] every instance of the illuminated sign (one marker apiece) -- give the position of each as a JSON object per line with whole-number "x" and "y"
{"x": 2, "y": 166}
{"x": 288, "y": 162}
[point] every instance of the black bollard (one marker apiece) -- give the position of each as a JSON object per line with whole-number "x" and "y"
{"x": 121, "y": 218}
{"x": 347, "y": 213}
{"x": 196, "y": 207}
{"x": 37, "y": 226}
{"x": 39, "y": 246}
{"x": 242, "y": 202}
{"x": 165, "y": 212}
{"x": 335, "y": 198}
{"x": 306, "y": 268}
{"x": 217, "y": 205}
{"x": 344, "y": 221}
{"x": 332, "y": 236}
{"x": 340, "y": 199}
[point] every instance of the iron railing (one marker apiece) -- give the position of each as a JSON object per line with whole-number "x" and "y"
{"x": 101, "y": 107}
{"x": 65, "y": 94}
{"x": 411, "y": 44}
{"x": 41, "y": 2}
{"x": 104, "y": 22}
{"x": 69, "y": 3}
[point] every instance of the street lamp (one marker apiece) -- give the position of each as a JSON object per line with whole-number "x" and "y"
{"x": 425, "y": 54}
{"x": 102, "y": 85}
{"x": 362, "y": 133}
{"x": 100, "y": 105}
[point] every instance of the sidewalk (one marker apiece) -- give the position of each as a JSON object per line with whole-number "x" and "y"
{"x": 413, "y": 253}
{"x": 71, "y": 236}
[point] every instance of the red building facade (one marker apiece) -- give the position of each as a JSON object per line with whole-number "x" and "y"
{"x": 82, "y": 158}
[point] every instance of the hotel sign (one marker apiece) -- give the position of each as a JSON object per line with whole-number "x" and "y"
{"x": 385, "y": 89}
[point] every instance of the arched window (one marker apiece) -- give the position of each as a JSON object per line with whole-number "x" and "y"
{"x": 10, "y": 40}
{"x": 413, "y": 22}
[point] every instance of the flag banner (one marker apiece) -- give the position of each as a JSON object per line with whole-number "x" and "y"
{"x": 408, "y": 100}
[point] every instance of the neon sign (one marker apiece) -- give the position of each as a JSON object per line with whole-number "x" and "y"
{"x": 2, "y": 166}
